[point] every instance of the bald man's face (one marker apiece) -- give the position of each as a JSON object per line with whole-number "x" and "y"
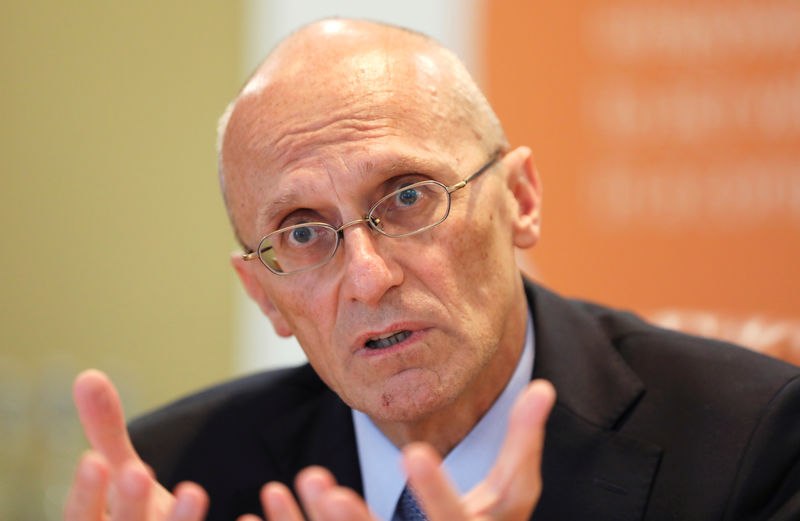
{"x": 323, "y": 143}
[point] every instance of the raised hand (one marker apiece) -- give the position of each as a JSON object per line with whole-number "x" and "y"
{"x": 111, "y": 482}
{"x": 512, "y": 488}
{"x": 509, "y": 493}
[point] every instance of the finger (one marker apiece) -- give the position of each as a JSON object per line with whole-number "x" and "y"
{"x": 191, "y": 503}
{"x": 131, "y": 493}
{"x": 514, "y": 483}
{"x": 343, "y": 504}
{"x": 249, "y": 517}
{"x": 87, "y": 497}
{"x": 101, "y": 415}
{"x": 311, "y": 483}
{"x": 279, "y": 503}
{"x": 431, "y": 486}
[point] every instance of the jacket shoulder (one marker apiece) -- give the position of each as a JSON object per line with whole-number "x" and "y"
{"x": 286, "y": 389}
{"x": 218, "y": 422}
{"x": 638, "y": 341}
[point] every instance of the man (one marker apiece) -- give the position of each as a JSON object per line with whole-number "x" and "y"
{"x": 380, "y": 206}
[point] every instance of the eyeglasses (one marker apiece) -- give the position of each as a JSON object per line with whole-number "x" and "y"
{"x": 406, "y": 211}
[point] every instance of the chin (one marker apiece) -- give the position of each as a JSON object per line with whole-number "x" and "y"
{"x": 408, "y": 402}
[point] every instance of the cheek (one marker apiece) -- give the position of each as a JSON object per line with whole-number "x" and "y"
{"x": 478, "y": 245}
{"x": 476, "y": 258}
{"x": 308, "y": 310}
{"x": 311, "y": 317}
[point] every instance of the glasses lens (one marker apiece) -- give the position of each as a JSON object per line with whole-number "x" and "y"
{"x": 412, "y": 208}
{"x": 298, "y": 247}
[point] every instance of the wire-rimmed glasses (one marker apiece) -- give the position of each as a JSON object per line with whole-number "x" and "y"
{"x": 406, "y": 211}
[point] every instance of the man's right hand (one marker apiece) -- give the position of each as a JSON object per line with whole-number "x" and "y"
{"x": 112, "y": 483}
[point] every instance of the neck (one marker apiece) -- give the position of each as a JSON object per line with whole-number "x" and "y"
{"x": 446, "y": 427}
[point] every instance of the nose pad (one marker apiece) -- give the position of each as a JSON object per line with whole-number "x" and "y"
{"x": 376, "y": 223}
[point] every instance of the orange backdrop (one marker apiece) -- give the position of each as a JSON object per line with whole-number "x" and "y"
{"x": 667, "y": 135}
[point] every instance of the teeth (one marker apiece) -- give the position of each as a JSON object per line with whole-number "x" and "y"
{"x": 387, "y": 340}
{"x": 381, "y": 337}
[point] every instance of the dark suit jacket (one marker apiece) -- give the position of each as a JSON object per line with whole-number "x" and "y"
{"x": 649, "y": 425}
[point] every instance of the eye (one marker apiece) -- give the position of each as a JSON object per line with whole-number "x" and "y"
{"x": 302, "y": 235}
{"x": 408, "y": 196}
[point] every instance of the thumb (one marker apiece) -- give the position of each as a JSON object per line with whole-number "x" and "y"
{"x": 100, "y": 412}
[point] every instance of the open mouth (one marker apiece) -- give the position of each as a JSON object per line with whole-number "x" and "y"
{"x": 387, "y": 340}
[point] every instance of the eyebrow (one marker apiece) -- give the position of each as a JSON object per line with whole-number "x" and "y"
{"x": 290, "y": 197}
{"x": 295, "y": 194}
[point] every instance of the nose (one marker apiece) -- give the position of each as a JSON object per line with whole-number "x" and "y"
{"x": 368, "y": 273}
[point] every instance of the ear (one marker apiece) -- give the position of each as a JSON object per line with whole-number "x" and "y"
{"x": 525, "y": 187}
{"x": 246, "y": 271}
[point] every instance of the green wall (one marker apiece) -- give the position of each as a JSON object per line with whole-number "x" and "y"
{"x": 115, "y": 243}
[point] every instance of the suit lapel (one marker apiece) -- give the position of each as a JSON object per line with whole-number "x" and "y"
{"x": 333, "y": 445}
{"x": 320, "y": 432}
{"x": 590, "y": 471}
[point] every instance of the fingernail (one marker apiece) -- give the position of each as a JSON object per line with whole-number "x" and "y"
{"x": 184, "y": 507}
{"x": 273, "y": 500}
{"x": 416, "y": 461}
{"x": 313, "y": 489}
{"x": 89, "y": 473}
{"x": 132, "y": 482}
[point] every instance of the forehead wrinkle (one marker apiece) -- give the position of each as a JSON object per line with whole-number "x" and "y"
{"x": 329, "y": 171}
{"x": 404, "y": 164}
{"x": 294, "y": 143}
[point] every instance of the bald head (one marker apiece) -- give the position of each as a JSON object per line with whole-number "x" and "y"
{"x": 339, "y": 81}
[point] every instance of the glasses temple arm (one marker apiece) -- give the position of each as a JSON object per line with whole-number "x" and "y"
{"x": 484, "y": 168}
{"x": 252, "y": 255}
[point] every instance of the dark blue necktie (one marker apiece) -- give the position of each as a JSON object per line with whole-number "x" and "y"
{"x": 407, "y": 508}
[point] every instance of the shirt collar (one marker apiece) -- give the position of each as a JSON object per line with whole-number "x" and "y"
{"x": 467, "y": 464}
